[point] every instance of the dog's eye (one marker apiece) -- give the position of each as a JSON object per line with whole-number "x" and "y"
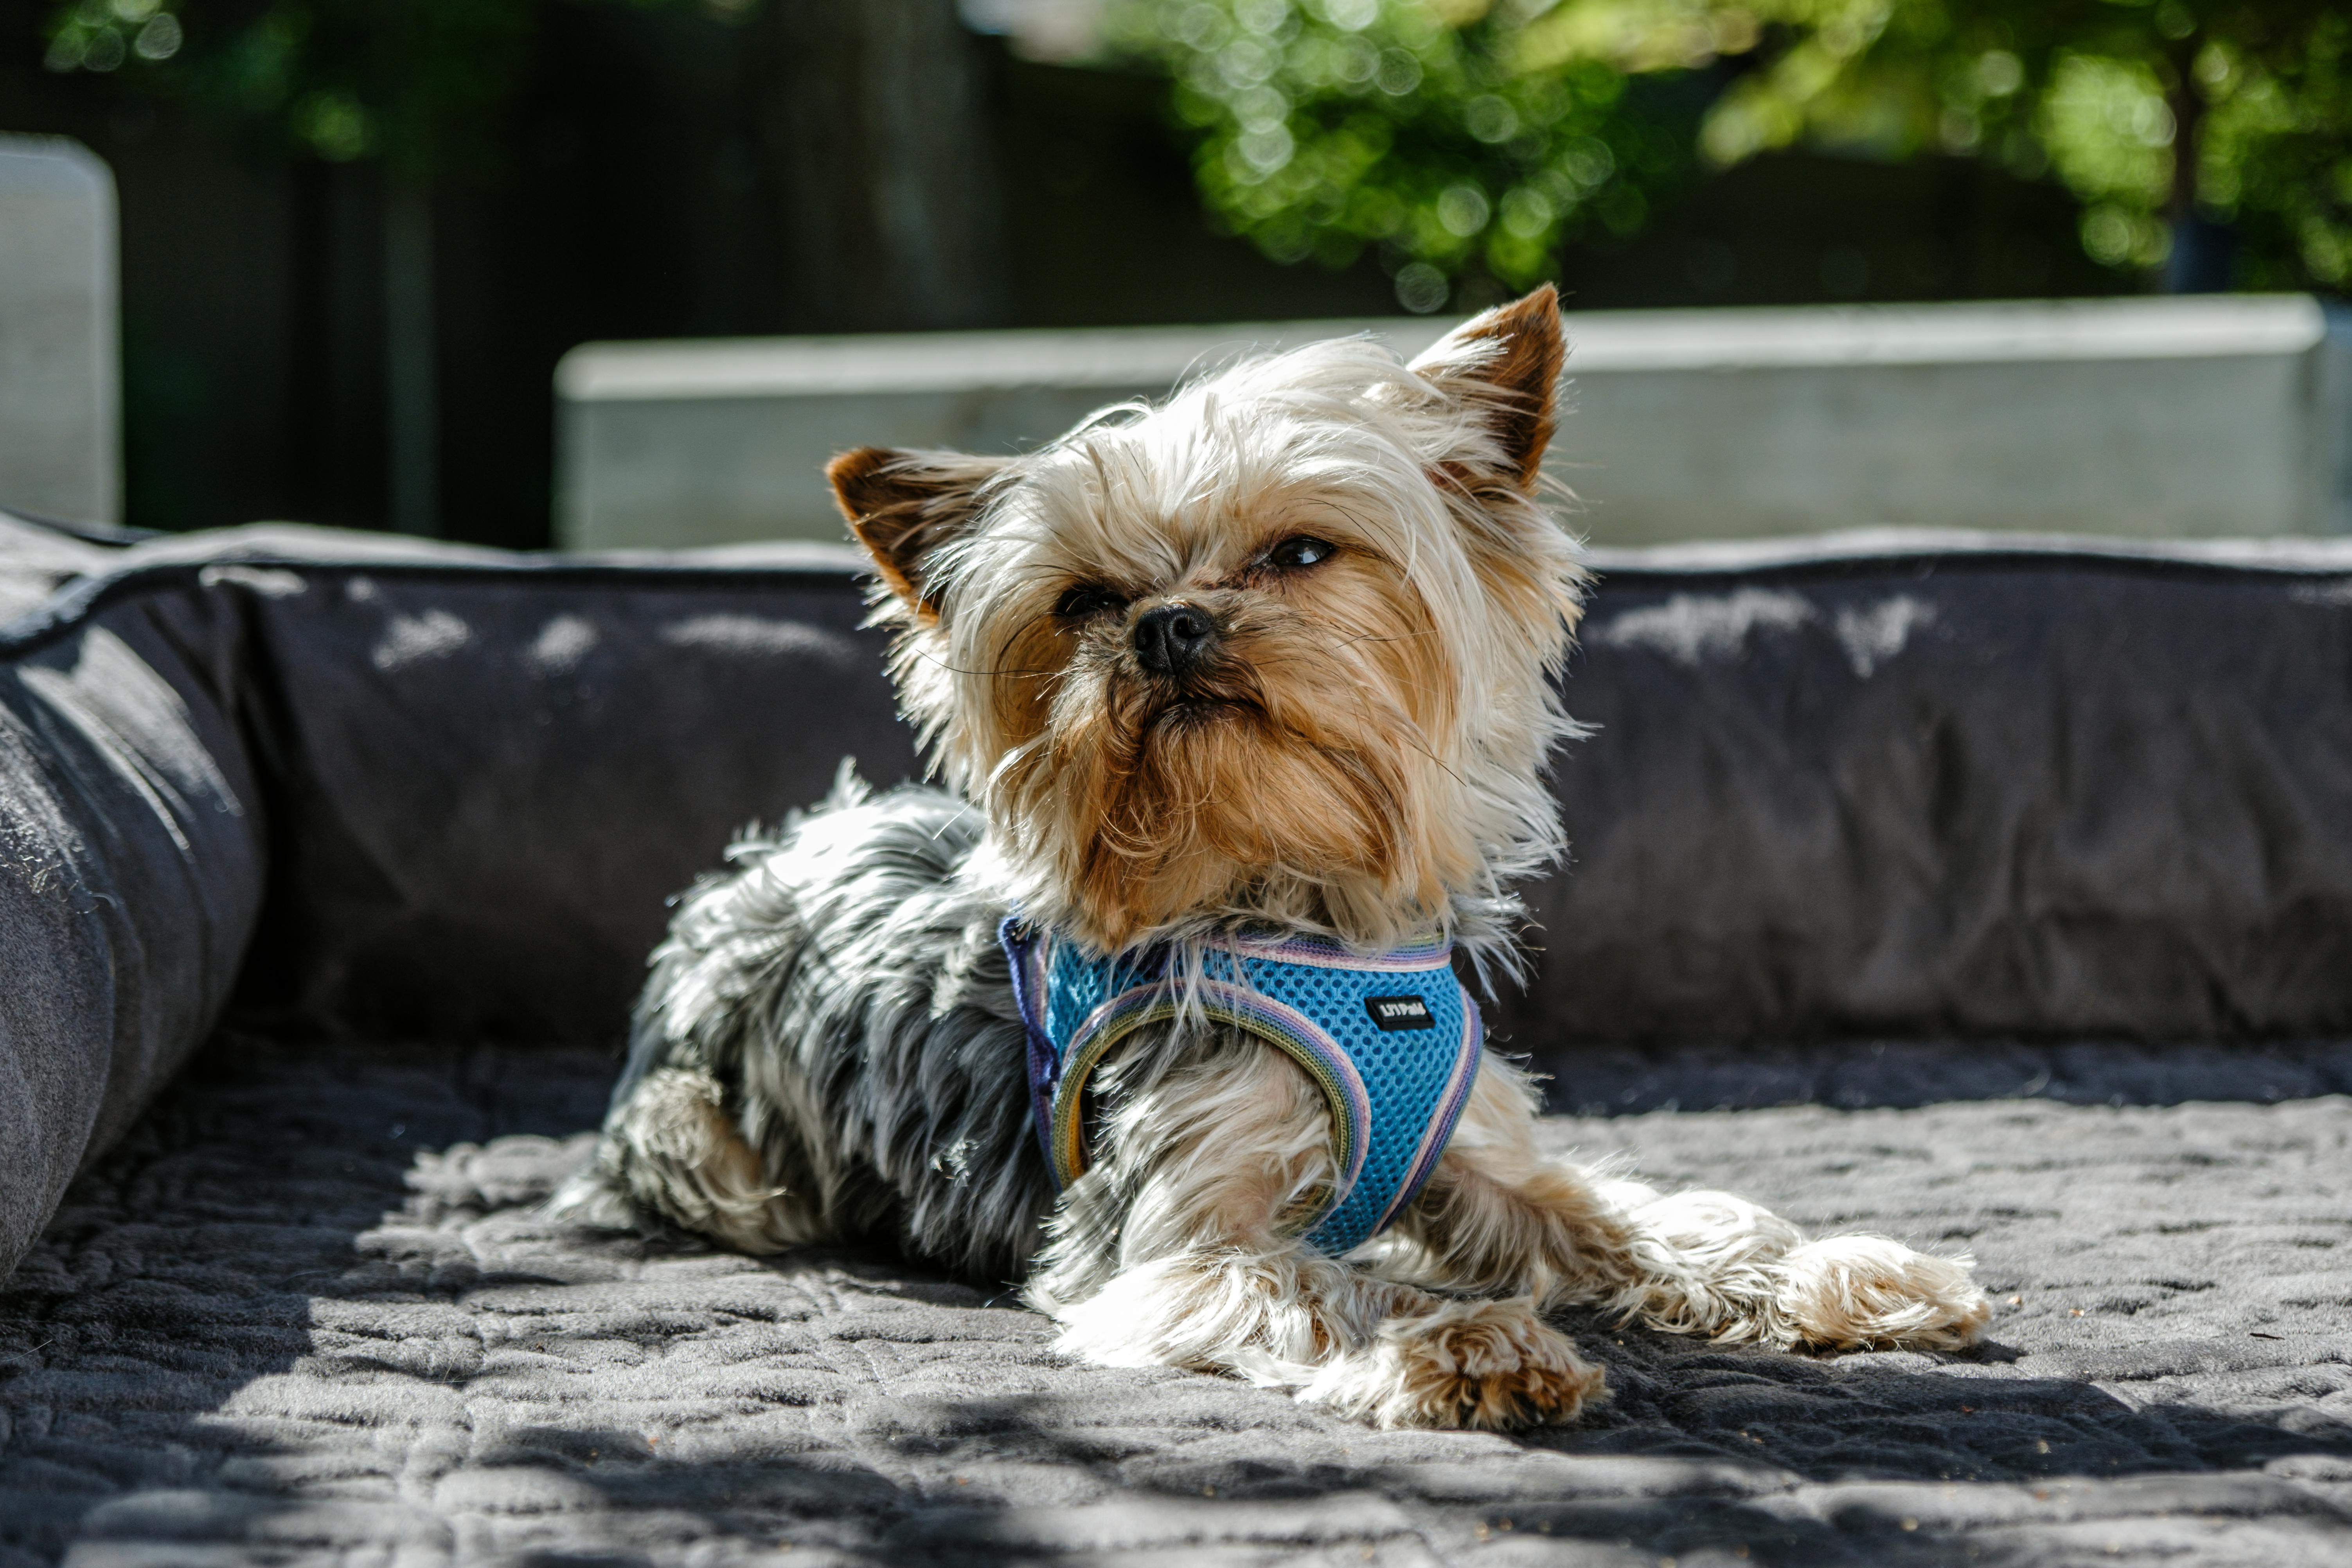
{"x": 1301, "y": 550}
{"x": 1088, "y": 600}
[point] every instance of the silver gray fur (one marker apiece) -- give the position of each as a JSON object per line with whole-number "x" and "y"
{"x": 856, "y": 1011}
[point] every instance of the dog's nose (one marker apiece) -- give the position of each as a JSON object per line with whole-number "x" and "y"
{"x": 1172, "y": 638}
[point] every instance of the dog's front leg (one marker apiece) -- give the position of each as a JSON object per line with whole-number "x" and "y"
{"x": 1176, "y": 1249}
{"x": 1498, "y": 1216}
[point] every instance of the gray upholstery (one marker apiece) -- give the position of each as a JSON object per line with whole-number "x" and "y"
{"x": 1980, "y": 791}
{"x": 131, "y": 866}
{"x": 363, "y": 786}
{"x": 229, "y": 764}
{"x": 1885, "y": 826}
{"x": 306, "y": 1314}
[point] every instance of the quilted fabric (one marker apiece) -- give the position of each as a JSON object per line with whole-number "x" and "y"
{"x": 353, "y": 784}
{"x": 1863, "y": 826}
{"x": 131, "y": 875}
{"x": 306, "y": 1314}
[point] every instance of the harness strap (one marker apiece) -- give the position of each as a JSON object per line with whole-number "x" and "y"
{"x": 1285, "y": 1028}
{"x": 1387, "y": 1134}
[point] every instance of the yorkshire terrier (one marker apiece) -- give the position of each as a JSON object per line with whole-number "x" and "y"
{"x": 1244, "y": 703}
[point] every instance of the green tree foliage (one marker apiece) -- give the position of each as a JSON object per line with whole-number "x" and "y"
{"x": 1466, "y": 136}
{"x": 2151, "y": 111}
{"x": 1416, "y": 125}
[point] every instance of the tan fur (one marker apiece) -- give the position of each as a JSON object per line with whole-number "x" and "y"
{"x": 701, "y": 1174}
{"x": 1861, "y": 1293}
{"x": 1365, "y": 750}
{"x": 1356, "y": 747}
{"x": 1206, "y": 1166}
{"x": 1496, "y": 1215}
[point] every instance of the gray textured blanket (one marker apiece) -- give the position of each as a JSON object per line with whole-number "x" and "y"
{"x": 305, "y": 1313}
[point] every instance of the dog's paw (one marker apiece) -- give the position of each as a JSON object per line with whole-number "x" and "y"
{"x": 1490, "y": 1364}
{"x": 1865, "y": 1292}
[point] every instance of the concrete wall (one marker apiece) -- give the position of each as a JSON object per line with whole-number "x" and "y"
{"x": 60, "y": 423}
{"x": 2218, "y": 415}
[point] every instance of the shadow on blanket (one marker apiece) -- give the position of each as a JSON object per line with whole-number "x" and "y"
{"x": 307, "y": 1307}
{"x": 1599, "y": 1080}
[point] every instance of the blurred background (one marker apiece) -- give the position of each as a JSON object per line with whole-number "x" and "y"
{"x": 357, "y": 236}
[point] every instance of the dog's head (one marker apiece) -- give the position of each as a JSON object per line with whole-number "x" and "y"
{"x": 1281, "y": 648}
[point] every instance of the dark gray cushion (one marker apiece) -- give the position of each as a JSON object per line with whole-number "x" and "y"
{"x": 131, "y": 869}
{"x": 306, "y": 1314}
{"x": 386, "y": 788}
{"x": 1960, "y": 791}
{"x": 373, "y": 787}
{"x": 487, "y": 783}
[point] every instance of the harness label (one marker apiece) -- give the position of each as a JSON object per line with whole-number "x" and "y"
{"x": 1392, "y": 1014}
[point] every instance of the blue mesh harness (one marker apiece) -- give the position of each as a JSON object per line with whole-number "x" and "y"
{"x": 1392, "y": 1041}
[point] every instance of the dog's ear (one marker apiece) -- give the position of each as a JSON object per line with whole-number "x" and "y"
{"x": 904, "y": 505}
{"x": 1507, "y": 362}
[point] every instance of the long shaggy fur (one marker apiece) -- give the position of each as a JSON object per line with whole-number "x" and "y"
{"x": 829, "y": 1048}
{"x": 840, "y": 993}
{"x": 1371, "y": 764}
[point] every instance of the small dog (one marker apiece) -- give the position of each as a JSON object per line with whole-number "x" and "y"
{"x": 1241, "y": 700}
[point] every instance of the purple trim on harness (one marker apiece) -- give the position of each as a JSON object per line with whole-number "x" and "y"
{"x": 1395, "y": 1092}
{"x": 1025, "y": 954}
{"x": 1318, "y": 954}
